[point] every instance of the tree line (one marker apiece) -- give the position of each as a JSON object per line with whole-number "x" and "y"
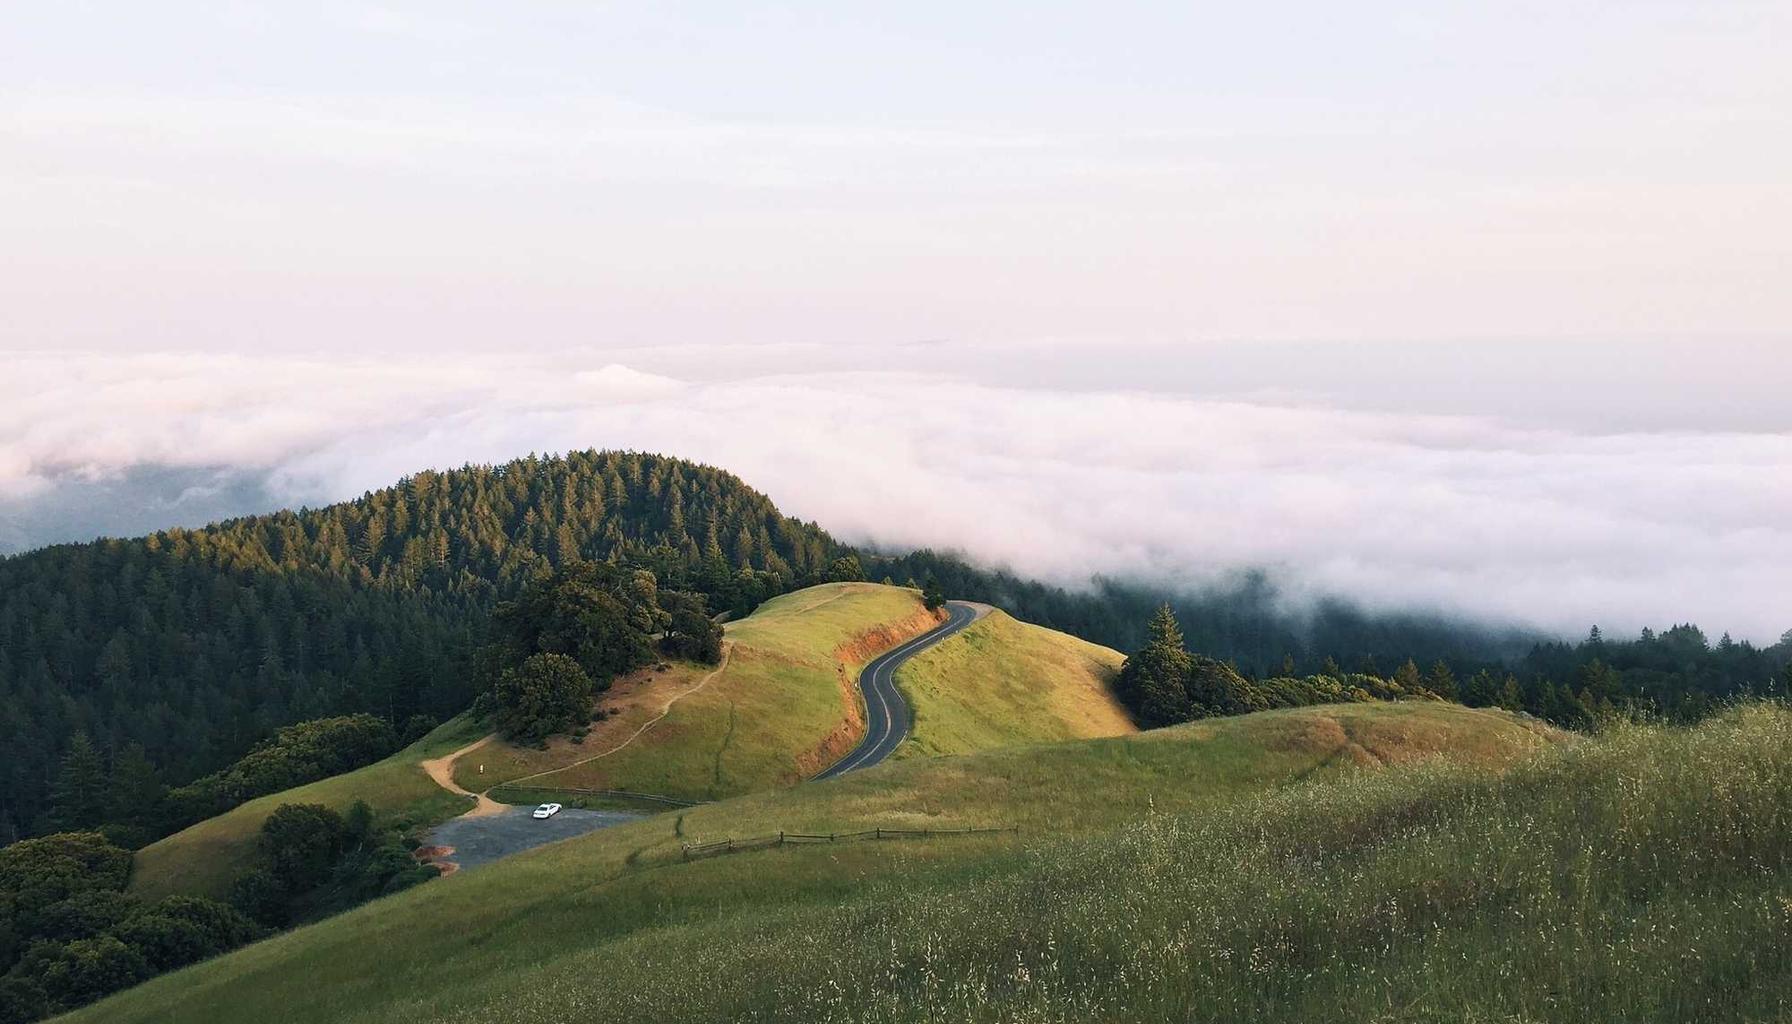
{"x": 1677, "y": 675}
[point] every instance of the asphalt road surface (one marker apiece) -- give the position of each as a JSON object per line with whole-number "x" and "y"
{"x": 479, "y": 840}
{"x": 886, "y": 713}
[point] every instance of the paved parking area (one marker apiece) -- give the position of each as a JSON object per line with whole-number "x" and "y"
{"x": 480, "y": 840}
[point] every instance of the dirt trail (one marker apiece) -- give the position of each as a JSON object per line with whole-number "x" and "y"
{"x": 727, "y": 652}
{"x": 441, "y": 769}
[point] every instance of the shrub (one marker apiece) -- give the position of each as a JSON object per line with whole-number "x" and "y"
{"x": 546, "y": 694}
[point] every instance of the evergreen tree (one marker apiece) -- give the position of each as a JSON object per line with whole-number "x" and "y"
{"x": 932, "y": 597}
{"x": 137, "y": 792}
{"x": 78, "y": 800}
{"x": 1441, "y": 680}
{"x": 1153, "y": 682}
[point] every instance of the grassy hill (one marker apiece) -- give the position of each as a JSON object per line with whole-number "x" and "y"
{"x": 782, "y": 707}
{"x": 1126, "y": 847}
{"x": 1002, "y": 682}
{"x": 202, "y": 859}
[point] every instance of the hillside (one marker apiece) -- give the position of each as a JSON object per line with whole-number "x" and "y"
{"x": 612, "y": 923}
{"x": 783, "y": 706}
{"x": 1003, "y": 682}
{"x": 193, "y": 644}
{"x": 202, "y": 859}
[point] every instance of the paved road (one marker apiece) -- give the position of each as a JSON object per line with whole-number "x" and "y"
{"x": 886, "y": 713}
{"x": 479, "y": 840}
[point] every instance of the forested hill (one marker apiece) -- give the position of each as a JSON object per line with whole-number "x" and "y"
{"x": 193, "y": 644}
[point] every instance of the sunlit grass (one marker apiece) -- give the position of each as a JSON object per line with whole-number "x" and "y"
{"x": 1002, "y": 682}
{"x": 1119, "y": 838}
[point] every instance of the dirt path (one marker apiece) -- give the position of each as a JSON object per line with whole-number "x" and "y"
{"x": 441, "y": 769}
{"x": 727, "y": 652}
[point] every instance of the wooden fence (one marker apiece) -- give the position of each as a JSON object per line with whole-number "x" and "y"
{"x": 669, "y": 801}
{"x": 721, "y": 846}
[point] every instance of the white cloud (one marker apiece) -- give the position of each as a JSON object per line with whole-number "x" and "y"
{"x": 1556, "y": 527}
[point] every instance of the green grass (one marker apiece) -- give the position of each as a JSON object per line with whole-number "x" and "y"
{"x": 203, "y": 858}
{"x": 1171, "y": 854}
{"x": 1003, "y": 683}
{"x": 784, "y": 707}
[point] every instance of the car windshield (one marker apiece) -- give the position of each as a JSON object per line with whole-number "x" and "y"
{"x": 545, "y": 807}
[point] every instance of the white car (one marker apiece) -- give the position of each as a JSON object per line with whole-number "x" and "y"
{"x": 547, "y": 810}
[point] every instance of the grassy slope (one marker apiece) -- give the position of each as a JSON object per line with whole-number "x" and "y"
{"x": 204, "y": 857}
{"x": 778, "y": 702}
{"x": 1002, "y": 682}
{"x": 775, "y": 716}
{"x": 611, "y": 925}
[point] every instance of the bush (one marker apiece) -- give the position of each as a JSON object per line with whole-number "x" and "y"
{"x": 294, "y": 756}
{"x": 84, "y": 970}
{"x": 301, "y": 843}
{"x": 260, "y": 897}
{"x": 691, "y": 634}
{"x": 546, "y": 694}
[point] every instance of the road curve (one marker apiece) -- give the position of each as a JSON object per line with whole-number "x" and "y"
{"x": 886, "y": 712}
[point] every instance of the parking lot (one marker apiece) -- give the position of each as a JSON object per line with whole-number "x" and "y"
{"x": 480, "y": 840}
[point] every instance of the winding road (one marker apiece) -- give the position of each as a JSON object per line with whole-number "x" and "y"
{"x": 886, "y": 712}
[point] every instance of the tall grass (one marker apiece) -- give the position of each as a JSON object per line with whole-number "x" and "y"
{"x": 1642, "y": 875}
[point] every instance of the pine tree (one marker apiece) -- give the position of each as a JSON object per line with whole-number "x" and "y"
{"x": 932, "y": 596}
{"x": 137, "y": 791}
{"x": 1408, "y": 678}
{"x": 1441, "y": 681}
{"x": 1154, "y": 682}
{"x": 78, "y": 797}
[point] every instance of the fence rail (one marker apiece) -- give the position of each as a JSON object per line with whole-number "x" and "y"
{"x": 693, "y": 851}
{"x": 670, "y": 801}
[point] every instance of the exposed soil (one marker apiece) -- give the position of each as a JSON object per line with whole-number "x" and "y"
{"x": 441, "y": 769}
{"x": 862, "y": 648}
{"x": 727, "y": 653}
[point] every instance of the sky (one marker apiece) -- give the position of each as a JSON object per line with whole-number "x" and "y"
{"x": 1484, "y": 307}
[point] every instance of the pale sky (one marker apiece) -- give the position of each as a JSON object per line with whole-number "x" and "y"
{"x": 334, "y": 176}
{"x": 1478, "y": 308}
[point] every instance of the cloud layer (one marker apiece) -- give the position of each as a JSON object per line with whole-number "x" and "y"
{"x": 1553, "y": 527}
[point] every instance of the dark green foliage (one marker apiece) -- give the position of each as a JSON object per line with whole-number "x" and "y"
{"x": 301, "y": 843}
{"x": 194, "y": 644}
{"x": 260, "y": 897}
{"x": 86, "y": 969}
{"x": 295, "y": 755}
{"x": 1153, "y": 682}
{"x": 181, "y": 930}
{"x": 932, "y": 596}
{"x": 69, "y": 933}
{"x": 36, "y": 873}
{"x": 314, "y": 862}
{"x": 545, "y": 695}
{"x": 415, "y": 728}
{"x": 22, "y": 1000}
{"x": 845, "y": 569}
{"x": 137, "y": 809}
{"x": 602, "y": 617}
{"x": 83, "y": 915}
{"x": 1163, "y": 684}
{"x": 79, "y": 800}
{"x": 690, "y": 632}
{"x": 378, "y": 864}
